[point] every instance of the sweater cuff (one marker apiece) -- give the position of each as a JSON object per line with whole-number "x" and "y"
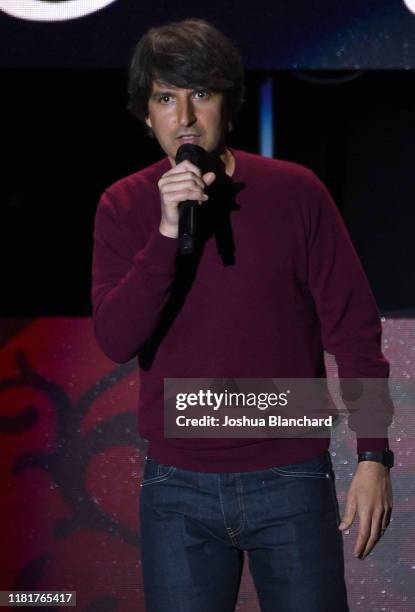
{"x": 372, "y": 444}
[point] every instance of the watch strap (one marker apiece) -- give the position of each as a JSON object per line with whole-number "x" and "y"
{"x": 385, "y": 457}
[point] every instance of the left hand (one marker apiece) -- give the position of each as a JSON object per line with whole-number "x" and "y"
{"x": 370, "y": 494}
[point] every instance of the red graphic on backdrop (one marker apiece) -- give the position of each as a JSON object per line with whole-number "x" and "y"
{"x": 71, "y": 463}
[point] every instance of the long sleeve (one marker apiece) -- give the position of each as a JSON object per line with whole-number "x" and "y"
{"x": 129, "y": 287}
{"x": 350, "y": 324}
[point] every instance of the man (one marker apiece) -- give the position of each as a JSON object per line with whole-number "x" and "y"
{"x": 274, "y": 281}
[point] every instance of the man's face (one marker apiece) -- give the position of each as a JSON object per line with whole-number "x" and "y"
{"x": 179, "y": 116}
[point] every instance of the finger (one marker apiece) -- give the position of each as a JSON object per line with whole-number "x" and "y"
{"x": 375, "y": 534}
{"x": 208, "y": 178}
{"x": 183, "y": 166}
{"x": 349, "y": 514}
{"x": 363, "y": 533}
{"x": 181, "y": 186}
{"x": 184, "y": 195}
{"x": 386, "y": 517}
{"x": 179, "y": 178}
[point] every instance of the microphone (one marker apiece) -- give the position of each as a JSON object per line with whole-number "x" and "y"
{"x": 188, "y": 209}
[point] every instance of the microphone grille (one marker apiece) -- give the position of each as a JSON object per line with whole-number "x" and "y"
{"x": 191, "y": 152}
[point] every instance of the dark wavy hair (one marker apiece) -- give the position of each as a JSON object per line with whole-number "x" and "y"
{"x": 189, "y": 54}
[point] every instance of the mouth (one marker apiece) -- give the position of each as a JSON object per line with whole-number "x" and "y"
{"x": 192, "y": 138}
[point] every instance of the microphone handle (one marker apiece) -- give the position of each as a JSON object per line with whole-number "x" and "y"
{"x": 187, "y": 226}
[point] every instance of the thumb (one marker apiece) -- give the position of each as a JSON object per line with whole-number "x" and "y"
{"x": 208, "y": 178}
{"x": 349, "y": 514}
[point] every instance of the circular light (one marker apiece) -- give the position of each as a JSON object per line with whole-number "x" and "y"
{"x": 42, "y": 10}
{"x": 410, "y": 4}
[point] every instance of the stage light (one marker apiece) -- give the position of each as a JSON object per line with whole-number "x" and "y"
{"x": 410, "y": 4}
{"x": 44, "y": 10}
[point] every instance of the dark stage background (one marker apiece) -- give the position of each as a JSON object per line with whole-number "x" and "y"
{"x": 66, "y": 136}
{"x": 70, "y": 457}
{"x": 270, "y": 33}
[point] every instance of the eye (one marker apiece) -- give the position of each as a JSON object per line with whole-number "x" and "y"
{"x": 202, "y": 93}
{"x": 164, "y": 99}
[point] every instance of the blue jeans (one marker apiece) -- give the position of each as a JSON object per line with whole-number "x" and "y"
{"x": 196, "y": 525}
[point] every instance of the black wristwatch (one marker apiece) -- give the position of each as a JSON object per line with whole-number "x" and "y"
{"x": 385, "y": 457}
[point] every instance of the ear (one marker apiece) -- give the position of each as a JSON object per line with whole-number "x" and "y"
{"x": 148, "y": 122}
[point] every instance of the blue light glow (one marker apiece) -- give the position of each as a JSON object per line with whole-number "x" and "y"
{"x": 266, "y": 119}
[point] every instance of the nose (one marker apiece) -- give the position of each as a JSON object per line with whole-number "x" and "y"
{"x": 186, "y": 112}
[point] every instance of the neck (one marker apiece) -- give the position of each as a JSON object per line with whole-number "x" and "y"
{"x": 228, "y": 161}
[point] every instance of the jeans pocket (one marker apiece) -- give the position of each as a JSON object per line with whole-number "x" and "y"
{"x": 317, "y": 467}
{"x": 332, "y": 478}
{"x": 155, "y": 472}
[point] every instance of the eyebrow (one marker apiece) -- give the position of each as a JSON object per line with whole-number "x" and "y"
{"x": 171, "y": 92}
{"x": 161, "y": 92}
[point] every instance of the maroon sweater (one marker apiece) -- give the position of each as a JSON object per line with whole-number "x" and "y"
{"x": 277, "y": 282}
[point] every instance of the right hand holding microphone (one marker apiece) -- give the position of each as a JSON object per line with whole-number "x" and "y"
{"x": 183, "y": 182}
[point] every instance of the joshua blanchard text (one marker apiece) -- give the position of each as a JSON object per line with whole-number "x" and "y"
{"x": 270, "y": 421}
